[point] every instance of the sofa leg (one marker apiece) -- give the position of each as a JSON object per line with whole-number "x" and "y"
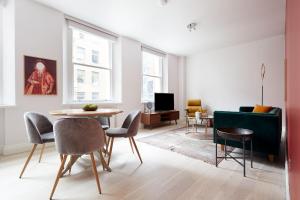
{"x": 271, "y": 157}
{"x": 222, "y": 147}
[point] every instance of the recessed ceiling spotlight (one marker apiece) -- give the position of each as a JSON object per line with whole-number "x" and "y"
{"x": 163, "y": 2}
{"x": 192, "y": 26}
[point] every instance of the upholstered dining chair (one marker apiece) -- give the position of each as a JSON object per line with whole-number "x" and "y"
{"x": 39, "y": 131}
{"x": 75, "y": 137}
{"x": 105, "y": 124}
{"x": 128, "y": 130}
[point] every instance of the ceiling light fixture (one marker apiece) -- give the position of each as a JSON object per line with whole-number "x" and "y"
{"x": 163, "y": 2}
{"x": 192, "y": 26}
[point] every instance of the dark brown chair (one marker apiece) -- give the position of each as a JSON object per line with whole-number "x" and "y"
{"x": 39, "y": 131}
{"x": 75, "y": 137}
{"x": 128, "y": 130}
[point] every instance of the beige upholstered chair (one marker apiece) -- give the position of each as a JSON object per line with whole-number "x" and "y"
{"x": 39, "y": 131}
{"x": 78, "y": 136}
{"x": 128, "y": 130}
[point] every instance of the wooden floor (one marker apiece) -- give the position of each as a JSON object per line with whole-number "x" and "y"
{"x": 163, "y": 175}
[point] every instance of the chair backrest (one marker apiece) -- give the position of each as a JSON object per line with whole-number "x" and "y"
{"x": 193, "y": 105}
{"x": 104, "y": 121}
{"x": 132, "y": 123}
{"x": 36, "y": 125}
{"x": 78, "y": 136}
{"x": 194, "y": 102}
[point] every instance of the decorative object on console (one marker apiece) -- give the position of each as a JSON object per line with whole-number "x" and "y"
{"x": 40, "y": 76}
{"x": 149, "y": 106}
{"x": 262, "y": 74}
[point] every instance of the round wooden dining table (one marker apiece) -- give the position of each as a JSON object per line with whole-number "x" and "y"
{"x": 106, "y": 112}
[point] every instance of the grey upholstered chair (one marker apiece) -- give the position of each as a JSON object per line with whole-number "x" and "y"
{"x": 104, "y": 121}
{"x": 39, "y": 131}
{"x": 128, "y": 130}
{"x": 78, "y": 136}
{"x": 105, "y": 124}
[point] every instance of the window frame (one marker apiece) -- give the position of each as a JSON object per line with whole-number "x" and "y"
{"x": 69, "y": 71}
{"x": 161, "y": 76}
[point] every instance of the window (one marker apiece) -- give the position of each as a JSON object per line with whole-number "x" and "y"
{"x": 80, "y": 54}
{"x": 95, "y": 95}
{"x": 92, "y": 72}
{"x": 95, "y": 78}
{"x": 80, "y": 76}
{"x": 152, "y": 75}
{"x": 95, "y": 56}
{"x": 80, "y": 96}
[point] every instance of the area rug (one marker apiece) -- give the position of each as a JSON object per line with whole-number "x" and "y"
{"x": 195, "y": 145}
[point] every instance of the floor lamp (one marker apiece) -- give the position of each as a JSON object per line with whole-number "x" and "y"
{"x": 262, "y": 73}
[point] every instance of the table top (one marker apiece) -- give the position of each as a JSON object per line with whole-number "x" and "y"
{"x": 203, "y": 117}
{"x": 234, "y": 133}
{"x": 81, "y": 113}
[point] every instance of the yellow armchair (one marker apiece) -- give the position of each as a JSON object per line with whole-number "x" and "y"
{"x": 194, "y": 105}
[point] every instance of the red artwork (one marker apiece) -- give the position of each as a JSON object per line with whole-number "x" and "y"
{"x": 40, "y": 76}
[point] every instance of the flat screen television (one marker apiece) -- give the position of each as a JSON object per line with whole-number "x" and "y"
{"x": 163, "y": 101}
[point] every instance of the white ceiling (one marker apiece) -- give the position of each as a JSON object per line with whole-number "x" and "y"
{"x": 221, "y": 23}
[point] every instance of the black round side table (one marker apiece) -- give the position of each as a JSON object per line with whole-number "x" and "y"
{"x": 238, "y": 135}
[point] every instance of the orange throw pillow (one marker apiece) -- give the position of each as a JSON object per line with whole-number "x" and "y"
{"x": 262, "y": 109}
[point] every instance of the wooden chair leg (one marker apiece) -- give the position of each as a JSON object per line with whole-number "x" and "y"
{"x": 95, "y": 172}
{"x": 131, "y": 145}
{"x": 104, "y": 164}
{"x": 108, "y": 144}
{"x": 42, "y": 151}
{"x": 58, "y": 175}
{"x": 136, "y": 149}
{"x": 28, "y": 159}
{"x": 110, "y": 150}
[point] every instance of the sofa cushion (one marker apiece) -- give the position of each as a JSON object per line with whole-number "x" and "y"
{"x": 262, "y": 109}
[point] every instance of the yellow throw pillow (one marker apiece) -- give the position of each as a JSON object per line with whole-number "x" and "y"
{"x": 262, "y": 109}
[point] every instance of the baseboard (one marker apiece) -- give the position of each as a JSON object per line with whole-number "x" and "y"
{"x": 20, "y": 148}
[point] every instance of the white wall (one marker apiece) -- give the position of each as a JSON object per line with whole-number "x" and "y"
{"x": 39, "y": 32}
{"x": 228, "y": 78}
{"x": 1, "y": 64}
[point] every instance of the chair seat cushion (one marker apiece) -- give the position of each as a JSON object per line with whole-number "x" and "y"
{"x": 117, "y": 132}
{"x": 105, "y": 127}
{"x": 47, "y": 137}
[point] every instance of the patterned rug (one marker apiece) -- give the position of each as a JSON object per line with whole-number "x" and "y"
{"x": 195, "y": 145}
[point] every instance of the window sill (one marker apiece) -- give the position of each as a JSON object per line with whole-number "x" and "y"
{"x": 7, "y": 105}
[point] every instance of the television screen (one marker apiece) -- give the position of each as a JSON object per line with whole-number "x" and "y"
{"x": 163, "y": 101}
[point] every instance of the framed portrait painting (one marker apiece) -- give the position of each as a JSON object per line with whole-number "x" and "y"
{"x": 40, "y": 76}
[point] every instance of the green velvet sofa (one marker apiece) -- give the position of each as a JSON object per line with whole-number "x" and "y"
{"x": 267, "y": 128}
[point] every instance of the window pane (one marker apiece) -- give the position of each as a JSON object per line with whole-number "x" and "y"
{"x": 152, "y": 64}
{"x": 95, "y": 56}
{"x": 95, "y": 78}
{"x": 80, "y": 96}
{"x": 150, "y": 86}
{"x": 91, "y": 49}
{"x": 80, "y": 76}
{"x": 96, "y": 86}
